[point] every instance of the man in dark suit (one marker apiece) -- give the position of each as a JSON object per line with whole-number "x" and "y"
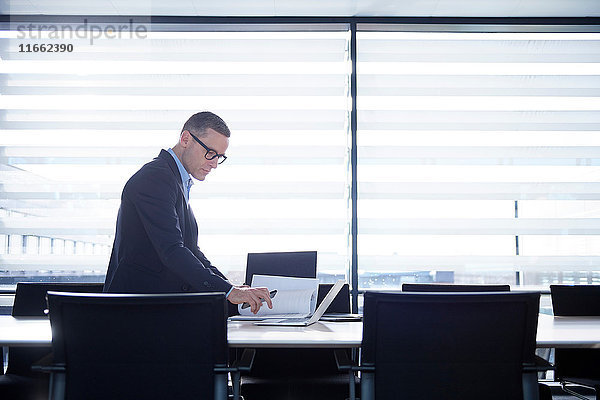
{"x": 155, "y": 248}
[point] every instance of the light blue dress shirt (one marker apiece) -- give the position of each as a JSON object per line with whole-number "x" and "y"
{"x": 187, "y": 181}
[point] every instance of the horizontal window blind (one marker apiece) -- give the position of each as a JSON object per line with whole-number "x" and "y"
{"x": 478, "y": 156}
{"x": 74, "y": 126}
{"x": 479, "y": 152}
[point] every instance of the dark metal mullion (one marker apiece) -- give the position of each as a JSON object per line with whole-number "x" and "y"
{"x": 517, "y": 272}
{"x": 354, "y": 169}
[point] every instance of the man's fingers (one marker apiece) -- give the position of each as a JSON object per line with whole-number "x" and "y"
{"x": 253, "y": 296}
{"x": 268, "y": 298}
{"x": 254, "y": 301}
{"x": 263, "y": 295}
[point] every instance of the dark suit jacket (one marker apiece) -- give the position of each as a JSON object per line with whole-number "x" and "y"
{"x": 155, "y": 248}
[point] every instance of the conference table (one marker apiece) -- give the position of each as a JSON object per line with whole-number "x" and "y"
{"x": 559, "y": 332}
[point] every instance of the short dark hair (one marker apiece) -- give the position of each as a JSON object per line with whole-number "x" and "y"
{"x": 200, "y": 122}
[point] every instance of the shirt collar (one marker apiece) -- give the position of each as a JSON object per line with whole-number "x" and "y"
{"x": 185, "y": 177}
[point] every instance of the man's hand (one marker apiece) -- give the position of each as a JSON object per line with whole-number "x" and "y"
{"x": 252, "y": 296}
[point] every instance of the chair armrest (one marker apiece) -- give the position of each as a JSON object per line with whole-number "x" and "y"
{"x": 543, "y": 363}
{"x": 46, "y": 365}
{"x": 220, "y": 369}
{"x": 49, "y": 368}
{"x": 535, "y": 367}
{"x": 244, "y": 364}
{"x": 345, "y": 364}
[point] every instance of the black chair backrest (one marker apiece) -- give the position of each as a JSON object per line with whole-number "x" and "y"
{"x": 30, "y": 301}
{"x": 444, "y": 287}
{"x": 576, "y": 300}
{"x": 341, "y": 303}
{"x": 299, "y": 264}
{"x": 139, "y": 346}
{"x": 447, "y": 345}
{"x": 30, "y": 297}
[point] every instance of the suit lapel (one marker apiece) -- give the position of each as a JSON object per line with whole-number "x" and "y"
{"x": 184, "y": 211}
{"x": 173, "y": 166}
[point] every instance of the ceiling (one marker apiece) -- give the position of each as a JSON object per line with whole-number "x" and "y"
{"x": 280, "y": 8}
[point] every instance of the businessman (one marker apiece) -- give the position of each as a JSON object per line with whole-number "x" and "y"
{"x": 156, "y": 239}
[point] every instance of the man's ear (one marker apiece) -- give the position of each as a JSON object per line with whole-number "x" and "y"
{"x": 184, "y": 139}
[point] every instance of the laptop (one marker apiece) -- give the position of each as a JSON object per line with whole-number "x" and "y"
{"x": 306, "y": 321}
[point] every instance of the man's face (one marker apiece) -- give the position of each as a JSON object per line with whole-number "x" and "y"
{"x": 194, "y": 159}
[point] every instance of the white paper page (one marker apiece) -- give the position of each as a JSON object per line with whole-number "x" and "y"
{"x": 294, "y": 296}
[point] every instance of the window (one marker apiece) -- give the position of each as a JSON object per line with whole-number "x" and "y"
{"x": 76, "y": 125}
{"x": 478, "y": 146}
{"x": 478, "y": 156}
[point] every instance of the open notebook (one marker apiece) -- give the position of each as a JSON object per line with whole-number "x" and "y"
{"x": 311, "y": 319}
{"x": 295, "y": 298}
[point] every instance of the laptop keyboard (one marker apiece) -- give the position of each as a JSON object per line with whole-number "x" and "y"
{"x": 296, "y": 319}
{"x": 293, "y": 316}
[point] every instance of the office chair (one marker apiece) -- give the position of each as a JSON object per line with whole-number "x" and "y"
{"x": 542, "y": 363}
{"x": 444, "y": 287}
{"x": 437, "y": 346}
{"x": 20, "y": 382}
{"x": 579, "y": 367}
{"x": 341, "y": 303}
{"x": 297, "y": 264}
{"x": 139, "y": 346}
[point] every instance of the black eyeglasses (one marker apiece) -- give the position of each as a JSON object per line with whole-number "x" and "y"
{"x": 210, "y": 153}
